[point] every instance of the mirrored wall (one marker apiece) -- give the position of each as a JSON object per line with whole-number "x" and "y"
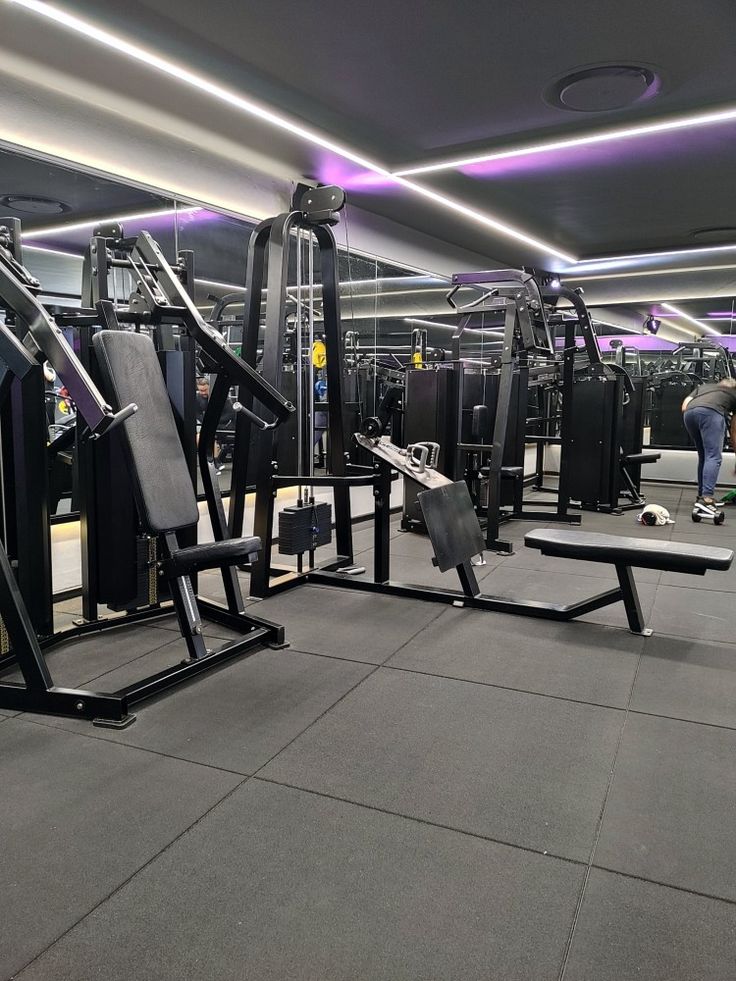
{"x": 391, "y": 315}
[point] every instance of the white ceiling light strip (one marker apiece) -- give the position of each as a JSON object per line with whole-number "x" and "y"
{"x": 199, "y": 82}
{"x": 482, "y": 219}
{"x": 428, "y": 323}
{"x": 38, "y": 248}
{"x": 608, "y": 136}
{"x": 76, "y": 226}
{"x": 703, "y": 328}
{"x": 635, "y": 273}
{"x": 614, "y": 260}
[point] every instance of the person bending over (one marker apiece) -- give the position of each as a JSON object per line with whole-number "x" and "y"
{"x": 706, "y": 413}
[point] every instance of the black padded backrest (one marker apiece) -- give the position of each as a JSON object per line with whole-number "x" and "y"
{"x": 131, "y": 373}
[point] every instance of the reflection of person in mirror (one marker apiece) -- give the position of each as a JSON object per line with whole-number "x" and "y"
{"x": 49, "y": 379}
{"x": 707, "y": 411}
{"x": 203, "y": 397}
{"x": 225, "y": 425}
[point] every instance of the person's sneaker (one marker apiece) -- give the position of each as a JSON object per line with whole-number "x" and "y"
{"x": 704, "y": 508}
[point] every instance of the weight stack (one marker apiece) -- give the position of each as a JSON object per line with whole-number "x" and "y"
{"x": 303, "y": 528}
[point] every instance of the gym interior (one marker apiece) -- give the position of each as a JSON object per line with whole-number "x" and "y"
{"x": 367, "y": 389}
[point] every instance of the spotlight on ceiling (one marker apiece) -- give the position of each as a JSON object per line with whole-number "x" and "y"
{"x": 651, "y": 325}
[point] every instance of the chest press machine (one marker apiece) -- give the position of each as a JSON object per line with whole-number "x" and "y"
{"x": 131, "y": 375}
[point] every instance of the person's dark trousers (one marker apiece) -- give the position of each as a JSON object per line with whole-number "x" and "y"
{"x": 707, "y": 427}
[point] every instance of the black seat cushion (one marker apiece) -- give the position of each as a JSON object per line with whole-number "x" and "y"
{"x": 163, "y": 485}
{"x": 211, "y": 555}
{"x": 641, "y": 457}
{"x": 643, "y": 553}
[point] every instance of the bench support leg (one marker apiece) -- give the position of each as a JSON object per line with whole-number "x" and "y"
{"x": 630, "y": 597}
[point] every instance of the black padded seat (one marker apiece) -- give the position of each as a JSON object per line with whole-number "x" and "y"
{"x": 640, "y": 553}
{"x": 211, "y": 555}
{"x": 636, "y": 458}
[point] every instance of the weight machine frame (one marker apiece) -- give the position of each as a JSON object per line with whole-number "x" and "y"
{"x": 526, "y": 334}
{"x": 314, "y": 211}
{"x": 160, "y": 300}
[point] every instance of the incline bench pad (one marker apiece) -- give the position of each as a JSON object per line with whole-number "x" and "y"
{"x": 643, "y": 553}
{"x": 131, "y": 373}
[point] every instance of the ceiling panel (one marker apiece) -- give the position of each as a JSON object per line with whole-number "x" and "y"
{"x": 411, "y": 79}
{"x": 622, "y": 197}
{"x": 421, "y": 81}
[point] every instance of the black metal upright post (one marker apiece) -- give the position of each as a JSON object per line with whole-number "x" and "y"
{"x": 495, "y": 464}
{"x": 338, "y": 452}
{"x": 242, "y": 456}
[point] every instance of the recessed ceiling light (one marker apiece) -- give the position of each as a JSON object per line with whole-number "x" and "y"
{"x": 34, "y": 204}
{"x": 603, "y": 88}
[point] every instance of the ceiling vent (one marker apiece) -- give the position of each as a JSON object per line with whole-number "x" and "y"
{"x": 603, "y": 88}
{"x": 34, "y": 204}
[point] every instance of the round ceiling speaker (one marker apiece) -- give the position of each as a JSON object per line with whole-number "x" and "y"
{"x": 34, "y": 204}
{"x": 603, "y": 88}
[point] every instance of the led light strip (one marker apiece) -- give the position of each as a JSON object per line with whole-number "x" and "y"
{"x": 76, "y": 226}
{"x": 193, "y": 80}
{"x": 674, "y": 326}
{"x": 630, "y": 132}
{"x": 647, "y": 272}
{"x": 428, "y": 323}
{"x": 686, "y": 316}
{"x": 38, "y": 248}
{"x": 669, "y": 253}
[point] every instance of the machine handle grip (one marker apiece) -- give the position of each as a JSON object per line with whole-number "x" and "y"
{"x": 256, "y": 420}
{"x": 423, "y": 455}
{"x": 113, "y": 419}
{"x": 418, "y": 454}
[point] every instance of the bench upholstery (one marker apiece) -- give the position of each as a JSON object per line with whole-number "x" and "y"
{"x": 641, "y": 553}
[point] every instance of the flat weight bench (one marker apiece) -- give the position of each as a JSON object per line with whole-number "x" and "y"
{"x": 627, "y": 553}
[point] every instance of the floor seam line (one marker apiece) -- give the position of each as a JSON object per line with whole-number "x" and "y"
{"x": 119, "y": 742}
{"x": 132, "y": 876}
{"x": 491, "y": 684}
{"x": 677, "y": 718}
{"x": 340, "y": 699}
{"x": 419, "y": 820}
{"x": 599, "y": 824}
{"x": 124, "y": 664}
{"x": 666, "y": 885}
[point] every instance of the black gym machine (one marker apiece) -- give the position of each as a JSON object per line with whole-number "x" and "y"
{"x": 150, "y": 470}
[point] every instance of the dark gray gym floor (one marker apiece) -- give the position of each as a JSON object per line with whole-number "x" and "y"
{"x": 409, "y": 793}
